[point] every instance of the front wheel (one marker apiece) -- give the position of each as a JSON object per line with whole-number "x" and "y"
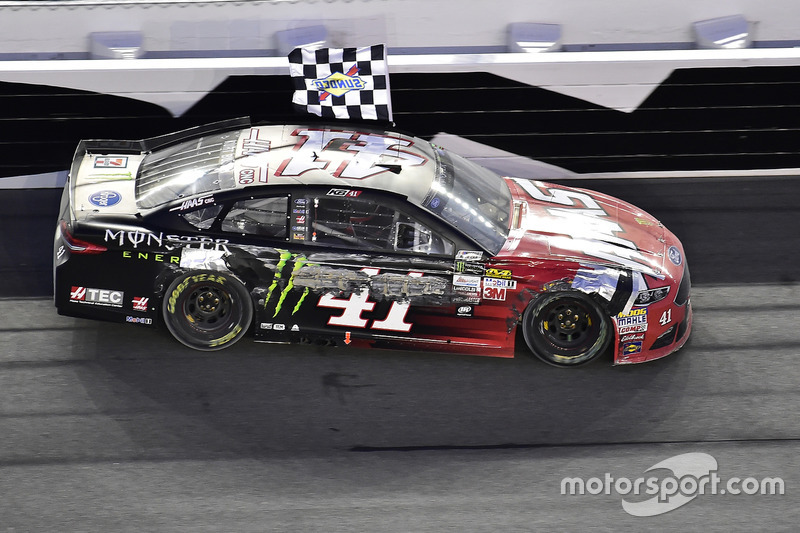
{"x": 207, "y": 311}
{"x": 566, "y": 328}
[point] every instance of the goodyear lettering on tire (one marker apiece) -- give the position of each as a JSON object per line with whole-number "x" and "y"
{"x": 225, "y": 338}
{"x": 197, "y": 278}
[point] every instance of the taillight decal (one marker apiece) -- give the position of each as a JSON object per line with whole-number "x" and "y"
{"x": 78, "y": 246}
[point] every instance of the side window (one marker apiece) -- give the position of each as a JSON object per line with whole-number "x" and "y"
{"x": 258, "y": 216}
{"x": 364, "y": 224}
{"x": 202, "y": 218}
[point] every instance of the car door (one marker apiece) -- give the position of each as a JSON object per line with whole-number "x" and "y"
{"x": 355, "y": 265}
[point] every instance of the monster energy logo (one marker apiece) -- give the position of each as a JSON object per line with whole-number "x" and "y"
{"x": 298, "y": 262}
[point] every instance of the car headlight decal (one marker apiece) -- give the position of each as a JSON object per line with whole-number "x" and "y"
{"x": 649, "y": 296}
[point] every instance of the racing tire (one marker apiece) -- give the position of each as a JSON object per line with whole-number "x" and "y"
{"x": 207, "y": 311}
{"x": 566, "y": 329}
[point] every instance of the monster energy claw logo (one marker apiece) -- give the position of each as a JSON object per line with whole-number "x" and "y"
{"x": 298, "y": 262}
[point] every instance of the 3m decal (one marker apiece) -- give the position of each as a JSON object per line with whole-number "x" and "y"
{"x": 100, "y": 297}
{"x": 494, "y": 293}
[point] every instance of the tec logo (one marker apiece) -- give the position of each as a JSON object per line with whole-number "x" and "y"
{"x": 338, "y": 84}
{"x": 104, "y": 297}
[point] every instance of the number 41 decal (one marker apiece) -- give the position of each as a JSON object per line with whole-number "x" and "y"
{"x": 666, "y": 317}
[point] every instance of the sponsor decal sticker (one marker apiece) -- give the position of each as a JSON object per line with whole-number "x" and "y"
{"x": 464, "y": 267}
{"x": 467, "y": 311}
{"x": 139, "y": 320}
{"x": 110, "y": 162}
{"x": 460, "y": 280}
{"x": 194, "y": 202}
{"x": 498, "y": 273}
{"x": 633, "y": 337}
{"x": 634, "y": 321}
{"x": 469, "y": 255}
{"x": 494, "y": 293}
{"x": 92, "y": 296}
{"x": 105, "y": 198}
{"x": 140, "y": 303}
{"x": 346, "y": 193}
{"x": 630, "y": 348}
{"x": 675, "y": 255}
{"x": 500, "y": 283}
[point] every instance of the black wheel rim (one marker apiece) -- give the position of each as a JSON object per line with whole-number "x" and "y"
{"x": 208, "y": 308}
{"x": 566, "y": 329}
{"x": 568, "y": 326}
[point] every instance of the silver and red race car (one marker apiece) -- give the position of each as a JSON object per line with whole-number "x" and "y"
{"x": 360, "y": 237}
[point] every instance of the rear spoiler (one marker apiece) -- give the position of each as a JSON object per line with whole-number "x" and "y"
{"x": 113, "y": 146}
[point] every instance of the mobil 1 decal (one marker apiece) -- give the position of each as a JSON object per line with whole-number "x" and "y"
{"x": 579, "y": 212}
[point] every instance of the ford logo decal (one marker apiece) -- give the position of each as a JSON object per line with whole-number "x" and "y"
{"x": 674, "y": 255}
{"x": 105, "y": 198}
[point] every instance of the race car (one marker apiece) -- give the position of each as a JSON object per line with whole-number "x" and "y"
{"x": 360, "y": 236}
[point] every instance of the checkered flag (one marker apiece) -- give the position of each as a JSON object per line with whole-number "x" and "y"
{"x": 346, "y": 83}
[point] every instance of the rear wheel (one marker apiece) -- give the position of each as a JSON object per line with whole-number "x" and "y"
{"x": 566, "y": 328}
{"x": 207, "y": 311}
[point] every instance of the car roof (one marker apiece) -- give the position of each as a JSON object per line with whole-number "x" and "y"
{"x": 280, "y": 155}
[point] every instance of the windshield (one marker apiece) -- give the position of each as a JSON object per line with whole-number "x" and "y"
{"x": 471, "y": 198}
{"x": 203, "y": 164}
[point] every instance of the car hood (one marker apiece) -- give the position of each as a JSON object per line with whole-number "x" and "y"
{"x": 586, "y": 226}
